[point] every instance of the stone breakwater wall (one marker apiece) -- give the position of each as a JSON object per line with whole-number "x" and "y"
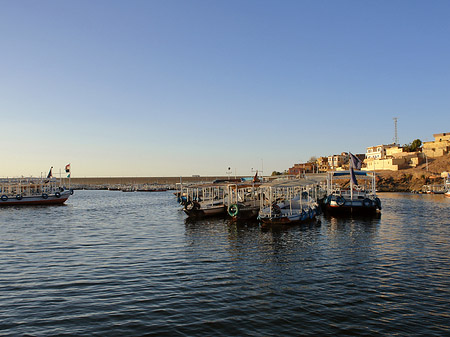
{"x": 121, "y": 182}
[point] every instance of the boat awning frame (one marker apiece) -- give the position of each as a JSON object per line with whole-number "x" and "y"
{"x": 346, "y": 173}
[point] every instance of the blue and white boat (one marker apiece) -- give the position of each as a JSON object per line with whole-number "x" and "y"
{"x": 344, "y": 196}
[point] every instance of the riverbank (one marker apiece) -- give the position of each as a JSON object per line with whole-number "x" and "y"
{"x": 409, "y": 180}
{"x": 412, "y": 180}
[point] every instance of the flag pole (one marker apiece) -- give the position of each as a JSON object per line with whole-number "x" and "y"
{"x": 351, "y": 176}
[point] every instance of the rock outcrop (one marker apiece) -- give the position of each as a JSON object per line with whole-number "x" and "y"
{"x": 413, "y": 179}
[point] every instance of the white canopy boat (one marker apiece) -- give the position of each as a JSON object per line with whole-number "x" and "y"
{"x": 290, "y": 201}
{"x": 243, "y": 200}
{"x": 205, "y": 200}
{"x": 32, "y": 191}
{"x": 447, "y": 186}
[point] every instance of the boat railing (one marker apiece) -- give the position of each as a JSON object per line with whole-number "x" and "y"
{"x": 208, "y": 196}
{"x": 242, "y": 194}
{"x": 291, "y": 199}
{"x": 435, "y": 188}
{"x": 28, "y": 186}
{"x": 355, "y": 194}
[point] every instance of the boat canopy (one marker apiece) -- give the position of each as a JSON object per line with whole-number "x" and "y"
{"x": 346, "y": 173}
{"x": 290, "y": 183}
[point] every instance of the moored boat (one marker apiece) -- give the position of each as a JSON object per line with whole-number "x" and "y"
{"x": 289, "y": 202}
{"x": 447, "y": 186}
{"x": 205, "y": 200}
{"x": 243, "y": 201}
{"x": 434, "y": 189}
{"x": 32, "y": 191}
{"x": 344, "y": 197}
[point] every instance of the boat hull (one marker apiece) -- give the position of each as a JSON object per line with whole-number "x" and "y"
{"x": 341, "y": 205}
{"x": 240, "y": 212}
{"x": 205, "y": 212}
{"x": 295, "y": 218}
{"x": 350, "y": 209}
{"x": 37, "y": 200}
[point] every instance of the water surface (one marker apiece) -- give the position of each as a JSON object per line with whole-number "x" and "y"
{"x": 114, "y": 263}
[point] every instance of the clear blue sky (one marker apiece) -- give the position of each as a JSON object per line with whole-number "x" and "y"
{"x": 182, "y": 87}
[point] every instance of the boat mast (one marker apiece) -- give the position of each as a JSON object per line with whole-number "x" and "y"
{"x": 351, "y": 178}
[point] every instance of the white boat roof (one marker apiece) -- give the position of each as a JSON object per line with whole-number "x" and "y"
{"x": 312, "y": 179}
{"x": 347, "y": 173}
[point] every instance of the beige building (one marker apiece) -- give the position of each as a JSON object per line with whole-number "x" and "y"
{"x": 337, "y": 161}
{"x": 322, "y": 164}
{"x": 302, "y": 168}
{"x": 439, "y": 147}
{"x": 391, "y": 157}
{"x": 395, "y": 163}
{"x": 394, "y": 151}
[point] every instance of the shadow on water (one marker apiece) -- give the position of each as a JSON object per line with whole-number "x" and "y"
{"x": 360, "y": 222}
{"x": 248, "y": 240}
{"x": 363, "y": 218}
{"x": 302, "y": 226}
{"x": 205, "y": 220}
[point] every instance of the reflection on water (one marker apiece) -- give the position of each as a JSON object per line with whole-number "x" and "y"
{"x": 112, "y": 263}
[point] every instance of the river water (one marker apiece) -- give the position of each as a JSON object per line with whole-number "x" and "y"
{"x": 129, "y": 264}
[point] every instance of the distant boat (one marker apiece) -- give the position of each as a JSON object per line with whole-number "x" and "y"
{"x": 152, "y": 190}
{"x": 447, "y": 186}
{"x": 434, "y": 189}
{"x": 32, "y": 191}
{"x": 143, "y": 188}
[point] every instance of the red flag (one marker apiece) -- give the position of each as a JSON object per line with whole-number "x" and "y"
{"x": 68, "y": 168}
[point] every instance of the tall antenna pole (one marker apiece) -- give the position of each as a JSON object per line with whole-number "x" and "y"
{"x": 395, "y": 127}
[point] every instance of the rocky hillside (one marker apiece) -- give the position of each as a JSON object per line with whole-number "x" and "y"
{"x": 413, "y": 179}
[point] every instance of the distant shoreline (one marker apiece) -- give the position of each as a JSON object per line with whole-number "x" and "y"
{"x": 139, "y": 180}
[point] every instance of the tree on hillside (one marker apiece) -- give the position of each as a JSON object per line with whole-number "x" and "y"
{"x": 414, "y": 146}
{"x": 313, "y": 159}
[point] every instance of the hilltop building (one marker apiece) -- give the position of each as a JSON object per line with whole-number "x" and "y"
{"x": 322, "y": 164}
{"x": 337, "y": 161}
{"x": 379, "y": 151}
{"x": 298, "y": 169}
{"x": 439, "y": 147}
{"x": 391, "y": 157}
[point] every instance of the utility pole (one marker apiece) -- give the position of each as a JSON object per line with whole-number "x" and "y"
{"x": 395, "y": 130}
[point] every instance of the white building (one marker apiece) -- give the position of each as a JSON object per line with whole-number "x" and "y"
{"x": 379, "y": 151}
{"x": 390, "y": 157}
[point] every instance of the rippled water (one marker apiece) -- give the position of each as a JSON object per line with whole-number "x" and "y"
{"x": 113, "y": 263}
